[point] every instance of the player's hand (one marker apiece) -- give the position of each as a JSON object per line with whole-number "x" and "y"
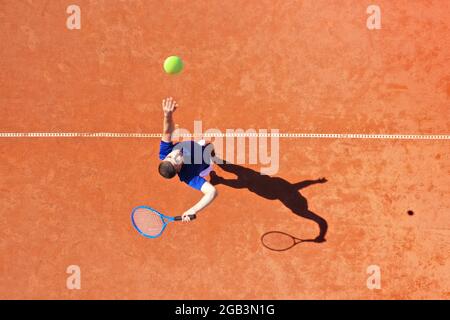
{"x": 185, "y": 216}
{"x": 169, "y": 106}
{"x": 322, "y": 180}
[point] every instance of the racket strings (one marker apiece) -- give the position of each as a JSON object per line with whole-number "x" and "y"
{"x": 148, "y": 222}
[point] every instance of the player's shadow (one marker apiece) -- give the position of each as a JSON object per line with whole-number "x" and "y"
{"x": 273, "y": 188}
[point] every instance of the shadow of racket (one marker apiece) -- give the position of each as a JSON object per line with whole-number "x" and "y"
{"x": 281, "y": 241}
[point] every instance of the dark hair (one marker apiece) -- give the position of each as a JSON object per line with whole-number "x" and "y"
{"x": 167, "y": 170}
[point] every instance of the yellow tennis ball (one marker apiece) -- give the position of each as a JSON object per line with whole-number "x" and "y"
{"x": 173, "y": 65}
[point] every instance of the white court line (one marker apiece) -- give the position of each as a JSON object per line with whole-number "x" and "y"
{"x": 224, "y": 135}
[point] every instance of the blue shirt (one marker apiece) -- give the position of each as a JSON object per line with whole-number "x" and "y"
{"x": 193, "y": 161}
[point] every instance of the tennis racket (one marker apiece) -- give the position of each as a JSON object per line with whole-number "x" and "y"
{"x": 280, "y": 241}
{"x": 151, "y": 223}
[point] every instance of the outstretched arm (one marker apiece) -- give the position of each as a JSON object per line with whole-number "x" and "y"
{"x": 169, "y": 106}
{"x": 209, "y": 194}
{"x": 307, "y": 183}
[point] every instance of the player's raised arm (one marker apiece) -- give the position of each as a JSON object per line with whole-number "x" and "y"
{"x": 169, "y": 106}
{"x": 209, "y": 193}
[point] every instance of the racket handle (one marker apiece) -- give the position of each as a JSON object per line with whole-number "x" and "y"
{"x": 179, "y": 218}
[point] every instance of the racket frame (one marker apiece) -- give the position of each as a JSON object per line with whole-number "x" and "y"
{"x": 165, "y": 219}
{"x": 161, "y": 216}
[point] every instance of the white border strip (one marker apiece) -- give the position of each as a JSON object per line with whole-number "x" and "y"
{"x": 223, "y": 135}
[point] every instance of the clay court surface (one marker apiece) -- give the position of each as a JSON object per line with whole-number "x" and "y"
{"x": 296, "y": 66}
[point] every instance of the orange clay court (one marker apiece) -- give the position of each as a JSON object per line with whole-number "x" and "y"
{"x": 309, "y": 67}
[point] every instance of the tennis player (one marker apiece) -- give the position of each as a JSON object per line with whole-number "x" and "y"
{"x": 190, "y": 160}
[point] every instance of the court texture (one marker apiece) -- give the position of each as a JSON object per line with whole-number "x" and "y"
{"x": 365, "y": 108}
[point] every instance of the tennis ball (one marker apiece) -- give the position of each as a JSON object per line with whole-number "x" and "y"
{"x": 173, "y": 65}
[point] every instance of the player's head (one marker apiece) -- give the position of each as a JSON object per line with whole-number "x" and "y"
{"x": 171, "y": 164}
{"x": 167, "y": 170}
